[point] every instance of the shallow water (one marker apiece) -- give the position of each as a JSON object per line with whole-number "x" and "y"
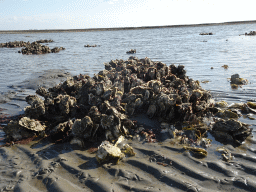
{"x": 170, "y": 45}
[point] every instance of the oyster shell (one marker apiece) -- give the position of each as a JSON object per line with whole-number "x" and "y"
{"x": 108, "y": 152}
{"x": 225, "y": 153}
{"x": 235, "y": 79}
{"x": 62, "y": 127}
{"x": 127, "y": 149}
{"x": 23, "y": 128}
{"x": 31, "y": 124}
{"x": 83, "y": 128}
{"x": 36, "y": 108}
{"x": 65, "y": 103}
{"x": 231, "y": 130}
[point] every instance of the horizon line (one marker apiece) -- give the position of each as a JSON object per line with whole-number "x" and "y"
{"x": 122, "y": 28}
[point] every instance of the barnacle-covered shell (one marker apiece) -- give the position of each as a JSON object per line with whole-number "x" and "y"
{"x": 99, "y": 88}
{"x": 155, "y": 86}
{"x": 82, "y": 127}
{"x": 14, "y": 131}
{"x": 65, "y": 103}
{"x": 36, "y": 108}
{"x": 95, "y": 114}
{"x": 62, "y": 127}
{"x": 112, "y": 125}
{"x": 196, "y": 95}
{"x": 151, "y": 110}
{"x": 227, "y": 114}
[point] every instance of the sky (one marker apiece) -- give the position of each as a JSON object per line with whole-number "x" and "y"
{"x": 80, "y": 14}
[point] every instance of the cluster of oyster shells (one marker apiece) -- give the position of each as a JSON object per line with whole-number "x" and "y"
{"x": 89, "y": 108}
{"x": 37, "y": 48}
{"x": 210, "y": 33}
{"x": 227, "y": 128}
{"x": 231, "y": 130}
{"x": 91, "y": 45}
{"x": 22, "y": 43}
{"x": 131, "y": 51}
{"x": 14, "y": 44}
{"x": 32, "y": 48}
{"x": 235, "y": 80}
{"x": 251, "y": 33}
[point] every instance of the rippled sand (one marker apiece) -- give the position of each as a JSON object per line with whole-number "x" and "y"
{"x": 43, "y": 166}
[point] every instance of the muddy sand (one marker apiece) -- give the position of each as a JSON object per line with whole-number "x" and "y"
{"x": 162, "y": 166}
{"x": 44, "y": 166}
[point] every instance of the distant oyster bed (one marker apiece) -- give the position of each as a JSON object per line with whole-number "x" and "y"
{"x": 171, "y": 139}
{"x": 32, "y": 48}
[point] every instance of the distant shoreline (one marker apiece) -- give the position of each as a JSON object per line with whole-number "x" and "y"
{"x": 121, "y": 28}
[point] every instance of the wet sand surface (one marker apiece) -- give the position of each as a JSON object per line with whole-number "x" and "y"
{"x": 44, "y": 166}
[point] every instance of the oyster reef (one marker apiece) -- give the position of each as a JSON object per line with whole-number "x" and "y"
{"x": 85, "y": 108}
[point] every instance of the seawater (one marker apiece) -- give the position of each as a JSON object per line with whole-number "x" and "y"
{"x": 180, "y": 46}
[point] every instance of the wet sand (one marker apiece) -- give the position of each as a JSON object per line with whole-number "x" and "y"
{"x": 121, "y": 28}
{"x": 44, "y": 166}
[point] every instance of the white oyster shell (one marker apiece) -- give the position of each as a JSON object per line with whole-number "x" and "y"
{"x": 107, "y": 152}
{"x": 31, "y": 124}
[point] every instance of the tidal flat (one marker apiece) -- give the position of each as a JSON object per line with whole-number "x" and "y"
{"x": 44, "y": 165}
